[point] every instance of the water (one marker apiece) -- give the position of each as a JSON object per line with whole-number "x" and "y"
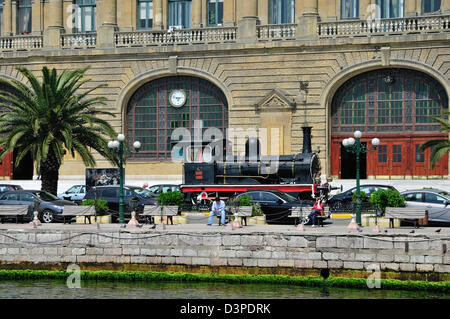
{"x": 57, "y": 289}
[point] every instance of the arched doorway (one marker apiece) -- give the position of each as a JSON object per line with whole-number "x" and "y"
{"x": 395, "y": 105}
{"x": 159, "y": 107}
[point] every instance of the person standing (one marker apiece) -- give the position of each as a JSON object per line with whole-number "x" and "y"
{"x": 218, "y": 207}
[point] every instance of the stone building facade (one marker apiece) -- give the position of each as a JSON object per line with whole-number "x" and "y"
{"x": 379, "y": 66}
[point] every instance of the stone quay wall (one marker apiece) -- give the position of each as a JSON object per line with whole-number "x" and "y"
{"x": 266, "y": 251}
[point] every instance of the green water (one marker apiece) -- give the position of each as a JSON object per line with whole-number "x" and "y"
{"x": 57, "y": 289}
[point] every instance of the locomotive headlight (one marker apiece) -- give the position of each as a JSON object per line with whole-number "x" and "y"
{"x": 357, "y": 134}
{"x": 345, "y": 142}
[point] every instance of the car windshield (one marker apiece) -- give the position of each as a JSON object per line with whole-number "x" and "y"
{"x": 287, "y": 197}
{"x": 45, "y": 196}
{"x": 143, "y": 192}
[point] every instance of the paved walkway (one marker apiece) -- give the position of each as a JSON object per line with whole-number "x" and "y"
{"x": 328, "y": 229}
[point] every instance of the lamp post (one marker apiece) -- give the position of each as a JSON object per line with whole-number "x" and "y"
{"x": 355, "y": 146}
{"x": 117, "y": 146}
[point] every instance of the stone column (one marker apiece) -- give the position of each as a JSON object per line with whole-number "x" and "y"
{"x": 445, "y": 6}
{"x": 298, "y": 9}
{"x": 246, "y": 31}
{"x": 7, "y": 15}
{"x": 107, "y": 22}
{"x": 52, "y": 34}
{"x": 246, "y": 8}
{"x": 411, "y": 8}
{"x": 14, "y": 17}
{"x": 196, "y": 13}
{"x": 263, "y": 11}
{"x": 157, "y": 15}
{"x": 36, "y": 21}
{"x": 363, "y": 9}
{"x": 307, "y": 23}
{"x": 126, "y": 15}
{"x": 228, "y": 13}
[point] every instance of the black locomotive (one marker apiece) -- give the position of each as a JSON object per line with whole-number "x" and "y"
{"x": 254, "y": 169}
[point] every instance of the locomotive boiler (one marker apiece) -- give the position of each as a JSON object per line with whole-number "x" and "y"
{"x": 254, "y": 169}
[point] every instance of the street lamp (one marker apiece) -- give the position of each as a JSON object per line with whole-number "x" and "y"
{"x": 355, "y": 146}
{"x": 117, "y": 146}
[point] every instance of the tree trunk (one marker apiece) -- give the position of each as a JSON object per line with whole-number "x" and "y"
{"x": 50, "y": 173}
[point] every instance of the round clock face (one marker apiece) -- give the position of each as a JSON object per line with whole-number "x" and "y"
{"x": 177, "y": 98}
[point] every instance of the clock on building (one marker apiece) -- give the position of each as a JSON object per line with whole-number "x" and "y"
{"x": 177, "y": 98}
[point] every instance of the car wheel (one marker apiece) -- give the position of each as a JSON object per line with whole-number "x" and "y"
{"x": 47, "y": 216}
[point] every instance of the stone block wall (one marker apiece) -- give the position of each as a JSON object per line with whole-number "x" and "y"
{"x": 263, "y": 250}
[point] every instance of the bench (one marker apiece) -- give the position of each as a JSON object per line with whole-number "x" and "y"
{"x": 156, "y": 210}
{"x": 239, "y": 211}
{"x": 405, "y": 213}
{"x": 302, "y": 215}
{"x": 17, "y": 211}
{"x": 70, "y": 211}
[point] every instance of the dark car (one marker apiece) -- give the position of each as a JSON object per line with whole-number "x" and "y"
{"x": 8, "y": 187}
{"x": 155, "y": 190}
{"x": 276, "y": 205}
{"x": 343, "y": 201}
{"x": 111, "y": 195}
{"x": 49, "y": 209}
{"x": 435, "y": 201}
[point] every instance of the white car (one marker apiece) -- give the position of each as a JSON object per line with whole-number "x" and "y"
{"x": 435, "y": 201}
{"x": 76, "y": 193}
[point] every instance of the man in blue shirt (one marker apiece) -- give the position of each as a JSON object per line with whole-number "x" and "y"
{"x": 218, "y": 207}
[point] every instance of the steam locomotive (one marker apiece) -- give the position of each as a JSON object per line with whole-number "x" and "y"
{"x": 214, "y": 171}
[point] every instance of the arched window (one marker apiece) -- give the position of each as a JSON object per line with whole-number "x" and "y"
{"x": 152, "y": 114}
{"x": 389, "y": 100}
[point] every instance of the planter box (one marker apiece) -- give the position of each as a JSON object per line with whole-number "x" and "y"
{"x": 369, "y": 221}
{"x": 106, "y": 219}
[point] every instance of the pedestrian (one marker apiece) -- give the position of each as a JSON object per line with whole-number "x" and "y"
{"x": 218, "y": 207}
{"x": 317, "y": 210}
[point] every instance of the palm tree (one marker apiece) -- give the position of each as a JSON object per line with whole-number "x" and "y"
{"x": 50, "y": 116}
{"x": 440, "y": 146}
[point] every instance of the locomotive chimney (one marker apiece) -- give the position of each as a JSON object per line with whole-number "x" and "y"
{"x": 252, "y": 149}
{"x": 306, "y": 139}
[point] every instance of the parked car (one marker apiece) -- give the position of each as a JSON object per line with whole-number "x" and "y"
{"x": 343, "y": 201}
{"x": 49, "y": 209}
{"x": 9, "y": 187}
{"x": 76, "y": 193}
{"x": 155, "y": 190}
{"x": 435, "y": 201}
{"x": 276, "y": 205}
{"x": 111, "y": 195}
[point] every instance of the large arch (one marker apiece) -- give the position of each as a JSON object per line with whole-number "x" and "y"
{"x": 150, "y": 75}
{"x": 348, "y": 73}
{"x": 395, "y": 105}
{"x": 151, "y": 116}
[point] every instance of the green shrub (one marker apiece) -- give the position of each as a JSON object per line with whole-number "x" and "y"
{"x": 170, "y": 199}
{"x": 101, "y": 207}
{"x": 362, "y": 195}
{"x": 386, "y": 198}
{"x": 243, "y": 200}
{"x": 256, "y": 210}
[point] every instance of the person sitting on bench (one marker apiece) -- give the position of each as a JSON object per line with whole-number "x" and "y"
{"x": 218, "y": 207}
{"x": 317, "y": 210}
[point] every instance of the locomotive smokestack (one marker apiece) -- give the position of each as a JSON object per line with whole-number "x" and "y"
{"x": 306, "y": 139}
{"x": 252, "y": 149}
